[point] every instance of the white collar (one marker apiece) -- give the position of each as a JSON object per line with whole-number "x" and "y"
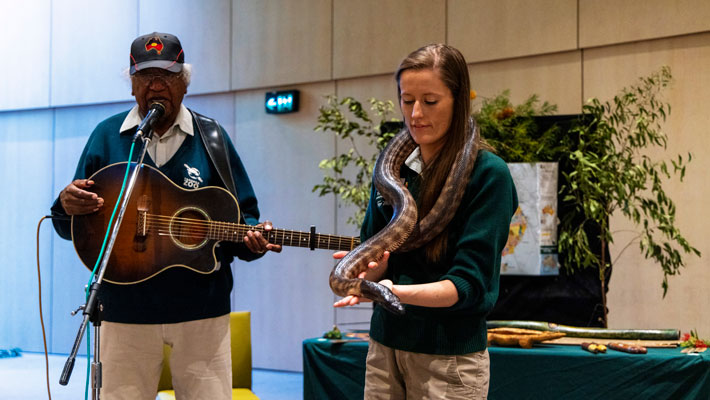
{"x": 183, "y": 120}
{"x": 414, "y": 161}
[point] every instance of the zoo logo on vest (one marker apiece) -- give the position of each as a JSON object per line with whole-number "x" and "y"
{"x": 192, "y": 180}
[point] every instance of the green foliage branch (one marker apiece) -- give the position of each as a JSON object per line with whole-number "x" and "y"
{"x": 612, "y": 171}
{"x": 513, "y": 132}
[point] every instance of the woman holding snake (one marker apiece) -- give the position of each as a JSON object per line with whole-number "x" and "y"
{"x": 448, "y": 281}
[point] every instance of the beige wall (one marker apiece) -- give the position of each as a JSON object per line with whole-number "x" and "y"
{"x": 564, "y": 50}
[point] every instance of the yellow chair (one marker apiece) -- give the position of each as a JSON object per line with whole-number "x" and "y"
{"x": 240, "y": 326}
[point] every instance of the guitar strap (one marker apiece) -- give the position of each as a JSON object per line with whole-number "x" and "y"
{"x": 216, "y": 148}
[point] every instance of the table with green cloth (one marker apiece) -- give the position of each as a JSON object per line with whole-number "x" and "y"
{"x": 336, "y": 370}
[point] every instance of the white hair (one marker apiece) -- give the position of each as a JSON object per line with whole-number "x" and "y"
{"x": 185, "y": 74}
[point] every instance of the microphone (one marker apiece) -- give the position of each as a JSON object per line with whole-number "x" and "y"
{"x": 155, "y": 111}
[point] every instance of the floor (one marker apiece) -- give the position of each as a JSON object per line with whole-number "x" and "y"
{"x": 24, "y": 378}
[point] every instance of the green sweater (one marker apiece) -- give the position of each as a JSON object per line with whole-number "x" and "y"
{"x": 176, "y": 294}
{"x": 477, "y": 234}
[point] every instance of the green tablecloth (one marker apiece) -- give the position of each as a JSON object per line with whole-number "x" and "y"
{"x": 337, "y": 371}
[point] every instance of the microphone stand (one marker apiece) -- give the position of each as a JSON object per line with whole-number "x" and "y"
{"x": 91, "y": 312}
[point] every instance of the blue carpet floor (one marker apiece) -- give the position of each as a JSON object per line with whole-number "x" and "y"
{"x": 24, "y": 378}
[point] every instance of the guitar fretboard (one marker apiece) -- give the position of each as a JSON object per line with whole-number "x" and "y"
{"x": 236, "y": 232}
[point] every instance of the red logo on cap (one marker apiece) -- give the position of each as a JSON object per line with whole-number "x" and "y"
{"x": 154, "y": 43}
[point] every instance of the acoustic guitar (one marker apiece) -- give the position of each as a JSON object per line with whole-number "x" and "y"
{"x": 166, "y": 226}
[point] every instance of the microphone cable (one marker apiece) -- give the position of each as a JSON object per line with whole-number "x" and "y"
{"x": 41, "y": 317}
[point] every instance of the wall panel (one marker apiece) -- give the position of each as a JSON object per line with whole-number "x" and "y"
{"x": 25, "y": 32}
{"x": 556, "y": 78}
{"x": 287, "y": 293}
{"x": 604, "y": 22}
{"x": 218, "y": 106}
{"x": 25, "y": 158}
{"x": 371, "y": 37}
{"x": 635, "y": 296}
{"x": 280, "y": 42}
{"x": 204, "y": 32}
{"x": 91, "y": 43}
{"x": 492, "y": 29}
{"x": 381, "y": 87}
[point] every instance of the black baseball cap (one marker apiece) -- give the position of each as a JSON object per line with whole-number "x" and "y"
{"x": 157, "y": 50}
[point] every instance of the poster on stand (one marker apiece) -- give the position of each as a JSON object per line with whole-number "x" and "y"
{"x": 532, "y": 240}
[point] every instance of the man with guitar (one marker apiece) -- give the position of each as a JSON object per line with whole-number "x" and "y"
{"x": 177, "y": 306}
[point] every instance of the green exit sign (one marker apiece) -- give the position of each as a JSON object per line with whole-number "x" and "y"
{"x": 281, "y": 102}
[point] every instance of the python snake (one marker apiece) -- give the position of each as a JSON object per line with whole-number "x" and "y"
{"x": 403, "y": 232}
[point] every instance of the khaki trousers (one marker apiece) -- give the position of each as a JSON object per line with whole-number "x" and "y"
{"x": 200, "y": 362}
{"x": 397, "y": 374}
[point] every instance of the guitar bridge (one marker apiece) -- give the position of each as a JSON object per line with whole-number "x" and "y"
{"x": 142, "y": 220}
{"x": 141, "y": 224}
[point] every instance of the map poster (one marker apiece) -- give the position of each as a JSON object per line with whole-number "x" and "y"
{"x": 532, "y": 239}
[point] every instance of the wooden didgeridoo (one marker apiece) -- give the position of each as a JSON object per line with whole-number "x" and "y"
{"x": 602, "y": 333}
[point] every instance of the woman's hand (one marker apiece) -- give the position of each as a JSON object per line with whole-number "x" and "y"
{"x": 353, "y": 300}
{"x": 257, "y": 243}
{"x": 374, "y": 271}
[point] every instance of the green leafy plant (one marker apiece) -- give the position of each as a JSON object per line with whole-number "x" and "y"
{"x": 333, "y": 333}
{"x": 352, "y": 124}
{"x": 512, "y": 130}
{"x": 612, "y": 173}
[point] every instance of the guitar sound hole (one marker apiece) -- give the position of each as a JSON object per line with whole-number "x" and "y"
{"x": 189, "y": 228}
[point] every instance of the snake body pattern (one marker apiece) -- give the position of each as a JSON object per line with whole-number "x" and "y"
{"x": 403, "y": 232}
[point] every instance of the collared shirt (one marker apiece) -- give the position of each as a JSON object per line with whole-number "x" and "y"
{"x": 414, "y": 161}
{"x": 162, "y": 148}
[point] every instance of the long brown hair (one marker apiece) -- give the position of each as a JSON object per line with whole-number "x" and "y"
{"x": 451, "y": 67}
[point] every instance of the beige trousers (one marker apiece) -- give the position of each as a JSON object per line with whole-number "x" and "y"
{"x": 396, "y": 374}
{"x": 200, "y": 362}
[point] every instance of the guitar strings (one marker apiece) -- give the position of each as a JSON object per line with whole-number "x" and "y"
{"x": 192, "y": 228}
{"x": 199, "y": 229}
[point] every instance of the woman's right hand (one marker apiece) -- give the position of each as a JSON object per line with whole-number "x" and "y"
{"x": 76, "y": 200}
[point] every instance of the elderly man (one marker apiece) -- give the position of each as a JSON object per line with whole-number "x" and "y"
{"x": 178, "y": 307}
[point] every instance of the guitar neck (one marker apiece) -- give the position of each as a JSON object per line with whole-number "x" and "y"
{"x": 236, "y": 232}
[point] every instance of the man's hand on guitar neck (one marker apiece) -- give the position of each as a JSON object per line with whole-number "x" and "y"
{"x": 257, "y": 243}
{"x": 76, "y": 200}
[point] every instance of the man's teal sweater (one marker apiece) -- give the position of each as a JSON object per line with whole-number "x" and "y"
{"x": 176, "y": 294}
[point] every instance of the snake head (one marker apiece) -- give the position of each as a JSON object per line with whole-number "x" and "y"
{"x": 394, "y": 306}
{"x": 382, "y": 295}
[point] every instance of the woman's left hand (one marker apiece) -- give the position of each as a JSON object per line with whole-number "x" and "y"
{"x": 353, "y": 299}
{"x": 257, "y": 243}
